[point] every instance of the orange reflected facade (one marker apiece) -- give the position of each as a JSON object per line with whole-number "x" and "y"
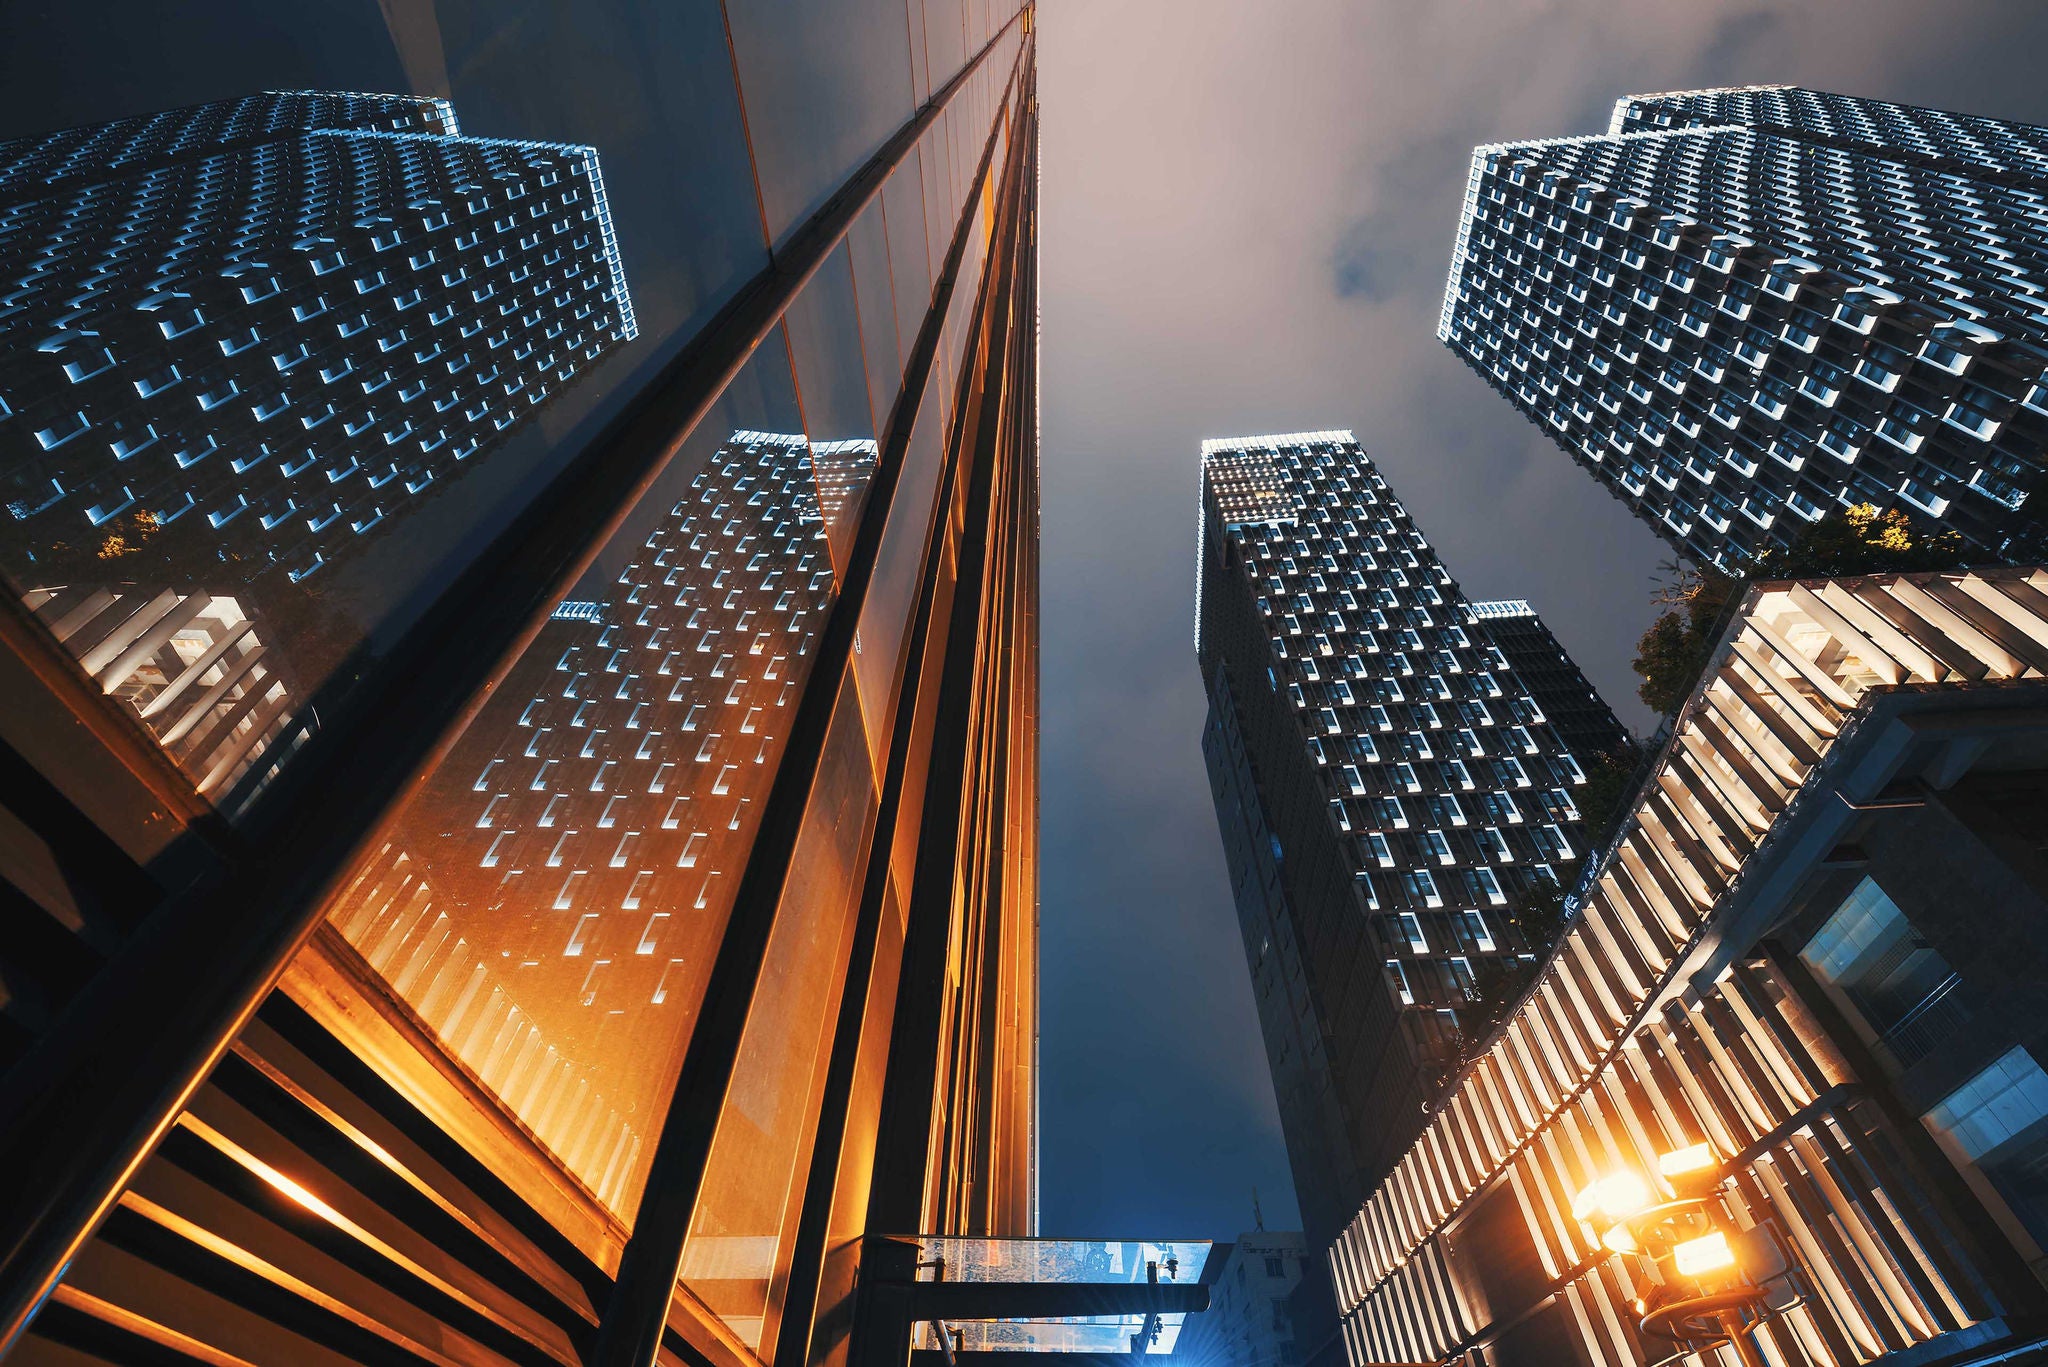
{"x": 635, "y": 911}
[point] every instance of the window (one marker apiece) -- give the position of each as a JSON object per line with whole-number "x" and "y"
{"x": 1997, "y": 1122}
{"x": 1275, "y": 1269}
{"x": 1870, "y": 954}
{"x": 1421, "y": 888}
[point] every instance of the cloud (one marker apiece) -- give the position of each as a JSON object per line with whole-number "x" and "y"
{"x": 1734, "y": 38}
{"x": 1360, "y": 269}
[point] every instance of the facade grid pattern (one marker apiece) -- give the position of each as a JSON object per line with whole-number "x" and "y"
{"x": 1577, "y": 712}
{"x": 642, "y": 941}
{"x": 265, "y": 349}
{"x": 592, "y": 824}
{"x": 1408, "y": 786}
{"x": 1644, "y": 1033}
{"x": 1807, "y": 303}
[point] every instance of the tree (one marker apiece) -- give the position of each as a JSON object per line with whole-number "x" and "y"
{"x": 1862, "y": 540}
{"x": 1607, "y": 787}
{"x": 1673, "y": 653}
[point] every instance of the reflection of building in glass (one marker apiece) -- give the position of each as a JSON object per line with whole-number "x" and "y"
{"x": 591, "y": 824}
{"x": 1248, "y": 1323}
{"x": 841, "y": 470}
{"x": 1742, "y": 308}
{"x": 1576, "y": 711}
{"x": 1178, "y": 1274}
{"x": 491, "y": 1116}
{"x": 195, "y": 667}
{"x": 1802, "y": 984}
{"x": 1386, "y": 790}
{"x": 239, "y": 337}
{"x": 242, "y": 337}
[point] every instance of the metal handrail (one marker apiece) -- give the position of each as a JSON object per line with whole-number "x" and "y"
{"x": 1914, "y": 1035}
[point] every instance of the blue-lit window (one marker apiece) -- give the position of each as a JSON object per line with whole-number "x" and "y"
{"x": 1998, "y": 1122}
{"x": 1420, "y": 887}
{"x": 1900, "y": 985}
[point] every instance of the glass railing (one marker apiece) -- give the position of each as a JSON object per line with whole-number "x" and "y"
{"x": 1088, "y": 1263}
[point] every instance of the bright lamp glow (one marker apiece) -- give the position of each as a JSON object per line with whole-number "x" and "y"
{"x": 1689, "y": 1161}
{"x": 1616, "y": 1196}
{"x": 1708, "y": 1253}
{"x": 1618, "y": 1240}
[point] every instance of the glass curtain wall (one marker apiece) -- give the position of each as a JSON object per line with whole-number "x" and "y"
{"x": 304, "y": 391}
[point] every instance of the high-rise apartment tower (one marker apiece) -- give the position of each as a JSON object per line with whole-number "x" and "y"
{"x": 1575, "y": 709}
{"x": 1740, "y": 309}
{"x": 247, "y": 340}
{"x": 506, "y": 881}
{"x": 1386, "y": 788}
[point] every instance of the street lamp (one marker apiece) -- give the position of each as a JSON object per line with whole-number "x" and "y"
{"x": 1677, "y": 1225}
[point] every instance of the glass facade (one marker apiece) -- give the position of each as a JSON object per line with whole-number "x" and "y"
{"x": 247, "y": 340}
{"x": 1386, "y": 789}
{"x": 1093, "y": 1263}
{"x": 527, "y": 675}
{"x": 1739, "y": 309}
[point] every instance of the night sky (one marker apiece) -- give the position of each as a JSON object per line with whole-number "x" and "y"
{"x": 1248, "y": 212}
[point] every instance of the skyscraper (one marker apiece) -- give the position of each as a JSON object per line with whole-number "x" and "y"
{"x": 1386, "y": 789}
{"x": 634, "y": 949}
{"x": 266, "y": 325}
{"x": 1740, "y": 309}
{"x": 1560, "y": 689}
{"x": 1794, "y": 1017}
{"x": 244, "y": 338}
{"x": 594, "y": 818}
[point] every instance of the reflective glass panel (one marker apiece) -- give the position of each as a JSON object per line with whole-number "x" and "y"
{"x": 892, "y": 592}
{"x": 945, "y": 39}
{"x": 825, "y": 82}
{"x": 282, "y": 363}
{"x": 832, "y": 389}
{"x": 868, "y": 245}
{"x": 909, "y": 253}
{"x": 552, "y": 900}
{"x": 1071, "y": 1262}
{"x": 737, "y": 1257}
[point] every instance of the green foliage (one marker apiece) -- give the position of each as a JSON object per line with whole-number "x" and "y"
{"x": 1607, "y": 782}
{"x": 1861, "y": 540}
{"x": 1673, "y": 653}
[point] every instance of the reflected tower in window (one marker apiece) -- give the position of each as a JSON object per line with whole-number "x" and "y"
{"x": 560, "y": 886}
{"x": 245, "y": 337}
{"x": 596, "y": 919}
